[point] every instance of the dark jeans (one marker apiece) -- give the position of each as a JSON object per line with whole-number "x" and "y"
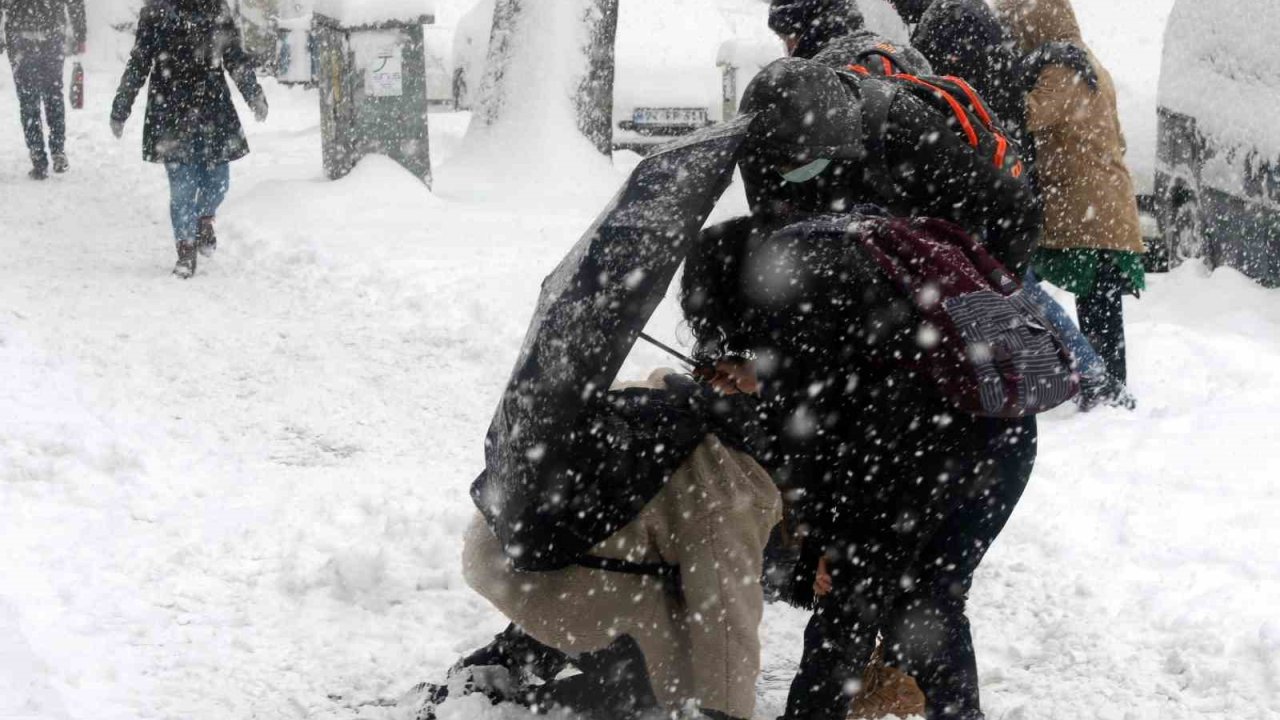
{"x": 195, "y": 191}
{"x": 37, "y": 74}
{"x": 1101, "y": 314}
{"x": 904, "y": 568}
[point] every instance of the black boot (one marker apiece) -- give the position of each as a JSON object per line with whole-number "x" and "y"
{"x": 495, "y": 683}
{"x": 1105, "y": 390}
{"x": 206, "y": 239}
{"x": 60, "y": 163}
{"x": 502, "y": 671}
{"x": 613, "y": 685}
{"x": 186, "y": 266}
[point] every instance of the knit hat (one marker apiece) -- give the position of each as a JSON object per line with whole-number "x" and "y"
{"x": 814, "y": 23}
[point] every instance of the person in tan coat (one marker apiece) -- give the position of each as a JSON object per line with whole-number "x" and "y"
{"x": 696, "y": 630}
{"x": 1092, "y": 242}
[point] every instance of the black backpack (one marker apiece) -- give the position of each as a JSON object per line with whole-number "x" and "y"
{"x": 879, "y": 76}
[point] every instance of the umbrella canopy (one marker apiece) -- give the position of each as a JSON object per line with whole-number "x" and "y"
{"x": 538, "y": 498}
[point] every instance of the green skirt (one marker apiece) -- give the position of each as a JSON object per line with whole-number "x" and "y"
{"x": 1076, "y": 270}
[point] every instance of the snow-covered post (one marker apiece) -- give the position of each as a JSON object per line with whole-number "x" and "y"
{"x": 549, "y": 54}
{"x": 373, "y": 85}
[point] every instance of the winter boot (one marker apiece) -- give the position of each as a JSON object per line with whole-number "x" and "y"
{"x": 613, "y": 685}
{"x": 206, "y": 239}
{"x": 1104, "y": 390}
{"x": 186, "y": 266}
{"x": 39, "y": 165}
{"x": 60, "y": 163}
{"x": 526, "y": 658}
{"x": 495, "y": 683}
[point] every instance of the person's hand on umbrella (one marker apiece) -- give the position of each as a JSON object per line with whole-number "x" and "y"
{"x": 731, "y": 376}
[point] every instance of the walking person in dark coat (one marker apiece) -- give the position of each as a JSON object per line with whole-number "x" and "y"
{"x": 35, "y": 34}
{"x": 185, "y": 46}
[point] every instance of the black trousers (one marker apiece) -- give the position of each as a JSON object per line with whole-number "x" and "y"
{"x": 1101, "y": 314}
{"x": 37, "y": 73}
{"x": 904, "y": 568}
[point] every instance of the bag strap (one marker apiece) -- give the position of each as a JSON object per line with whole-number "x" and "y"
{"x": 660, "y": 570}
{"x": 946, "y": 89}
{"x": 877, "y": 100}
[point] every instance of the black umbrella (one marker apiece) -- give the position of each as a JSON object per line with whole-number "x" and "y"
{"x": 538, "y": 498}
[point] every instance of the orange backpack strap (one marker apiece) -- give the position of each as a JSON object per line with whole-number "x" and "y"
{"x": 962, "y": 115}
{"x": 889, "y": 64}
{"x": 980, "y": 108}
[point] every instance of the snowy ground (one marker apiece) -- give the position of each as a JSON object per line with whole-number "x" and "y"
{"x": 241, "y": 496}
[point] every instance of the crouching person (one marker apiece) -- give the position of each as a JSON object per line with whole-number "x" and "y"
{"x": 663, "y": 615}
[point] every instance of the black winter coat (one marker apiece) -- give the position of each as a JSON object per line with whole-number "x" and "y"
{"x": 48, "y": 17}
{"x": 851, "y": 425}
{"x": 184, "y": 46}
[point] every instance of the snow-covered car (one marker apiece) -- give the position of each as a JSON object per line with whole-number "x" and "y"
{"x": 1217, "y": 180}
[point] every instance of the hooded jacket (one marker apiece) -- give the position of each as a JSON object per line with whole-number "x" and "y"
{"x": 964, "y": 38}
{"x": 184, "y": 47}
{"x": 1088, "y": 194}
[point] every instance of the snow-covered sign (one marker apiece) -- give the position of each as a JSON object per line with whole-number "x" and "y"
{"x": 379, "y": 56}
{"x": 385, "y": 76}
{"x": 357, "y": 13}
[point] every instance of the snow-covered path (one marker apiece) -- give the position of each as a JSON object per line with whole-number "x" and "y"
{"x": 241, "y": 496}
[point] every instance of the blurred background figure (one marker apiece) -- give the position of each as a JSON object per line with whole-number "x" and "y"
{"x": 36, "y": 37}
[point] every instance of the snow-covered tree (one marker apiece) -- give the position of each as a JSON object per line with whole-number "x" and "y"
{"x": 552, "y": 62}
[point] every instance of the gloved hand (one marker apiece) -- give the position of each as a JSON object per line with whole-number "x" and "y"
{"x": 259, "y": 106}
{"x": 79, "y": 48}
{"x": 117, "y": 127}
{"x": 1065, "y": 54}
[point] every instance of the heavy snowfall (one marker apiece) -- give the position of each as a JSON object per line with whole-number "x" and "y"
{"x": 244, "y": 495}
